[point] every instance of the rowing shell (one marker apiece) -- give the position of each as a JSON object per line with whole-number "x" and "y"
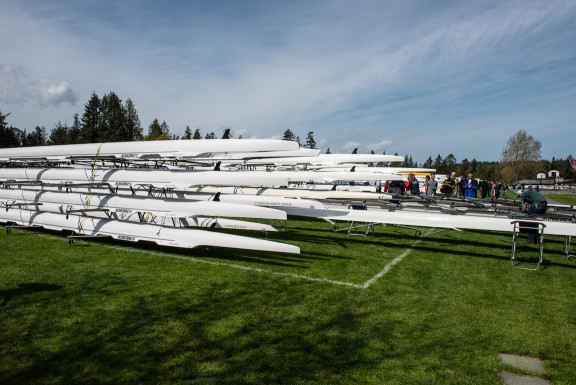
{"x": 121, "y": 204}
{"x": 165, "y": 149}
{"x": 134, "y": 232}
{"x": 468, "y": 222}
{"x": 156, "y": 178}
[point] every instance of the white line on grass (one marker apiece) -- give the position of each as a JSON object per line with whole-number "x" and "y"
{"x": 395, "y": 261}
{"x": 215, "y": 263}
{"x": 366, "y": 285}
{"x": 254, "y": 269}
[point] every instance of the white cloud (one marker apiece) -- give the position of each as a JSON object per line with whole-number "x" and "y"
{"x": 413, "y": 72}
{"x": 48, "y": 93}
{"x": 380, "y": 145}
{"x": 14, "y": 89}
{"x": 349, "y": 146}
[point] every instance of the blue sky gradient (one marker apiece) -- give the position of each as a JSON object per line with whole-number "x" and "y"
{"x": 416, "y": 77}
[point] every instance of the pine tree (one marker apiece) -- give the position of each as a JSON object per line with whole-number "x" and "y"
{"x": 154, "y": 130}
{"x": 197, "y": 134}
{"x": 210, "y": 135}
{"x": 74, "y": 131}
{"x": 449, "y": 163}
{"x": 132, "y": 121}
{"x": 35, "y": 138}
{"x": 328, "y": 151}
{"x": 310, "y": 142}
{"x": 90, "y": 120}
{"x": 165, "y": 129}
{"x": 60, "y": 134}
{"x": 438, "y": 164}
{"x": 113, "y": 124}
{"x": 187, "y": 133}
{"x": 9, "y": 136}
{"x": 289, "y": 135}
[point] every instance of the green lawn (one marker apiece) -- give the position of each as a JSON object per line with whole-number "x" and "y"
{"x": 569, "y": 199}
{"x": 109, "y": 312}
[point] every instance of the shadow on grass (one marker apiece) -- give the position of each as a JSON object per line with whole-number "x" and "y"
{"x": 497, "y": 250}
{"x": 217, "y": 336}
{"x": 25, "y": 289}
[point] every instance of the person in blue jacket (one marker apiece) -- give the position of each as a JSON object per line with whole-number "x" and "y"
{"x": 470, "y": 186}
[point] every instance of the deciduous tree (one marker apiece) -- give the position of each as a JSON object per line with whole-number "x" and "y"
{"x": 520, "y": 155}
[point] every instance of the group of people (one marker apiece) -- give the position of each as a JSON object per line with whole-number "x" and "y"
{"x": 469, "y": 187}
{"x": 398, "y": 187}
{"x": 533, "y": 202}
{"x": 462, "y": 187}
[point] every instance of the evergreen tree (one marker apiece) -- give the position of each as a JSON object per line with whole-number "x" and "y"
{"x": 438, "y": 164}
{"x": 132, "y": 121}
{"x": 113, "y": 124}
{"x": 428, "y": 163}
{"x": 464, "y": 167}
{"x": 165, "y": 129}
{"x": 35, "y": 138}
{"x": 91, "y": 120}
{"x": 473, "y": 165}
{"x": 60, "y": 134}
{"x": 310, "y": 142}
{"x": 74, "y": 131}
{"x": 328, "y": 151}
{"x": 210, "y": 135}
{"x": 197, "y": 134}
{"x": 289, "y": 135}
{"x": 298, "y": 141}
{"x": 9, "y": 136}
{"x": 449, "y": 163}
{"x": 154, "y": 130}
{"x": 187, "y": 133}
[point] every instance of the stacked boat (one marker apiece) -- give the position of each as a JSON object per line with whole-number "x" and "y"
{"x": 125, "y": 191}
{"x": 180, "y": 193}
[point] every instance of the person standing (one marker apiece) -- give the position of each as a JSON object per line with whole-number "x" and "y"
{"x": 431, "y": 185}
{"x": 413, "y": 185}
{"x": 470, "y": 186}
{"x": 505, "y": 191}
{"x": 484, "y": 186}
{"x": 448, "y": 186}
{"x": 495, "y": 190}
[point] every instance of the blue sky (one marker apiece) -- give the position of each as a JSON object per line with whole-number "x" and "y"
{"x": 416, "y": 77}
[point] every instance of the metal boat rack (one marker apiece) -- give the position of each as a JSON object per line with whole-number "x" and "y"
{"x": 528, "y": 227}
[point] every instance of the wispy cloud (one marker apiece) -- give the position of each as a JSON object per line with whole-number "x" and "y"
{"x": 380, "y": 145}
{"x": 349, "y": 146}
{"x": 413, "y": 77}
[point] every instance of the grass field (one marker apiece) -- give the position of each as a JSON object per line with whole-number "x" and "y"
{"x": 393, "y": 308}
{"x": 565, "y": 198}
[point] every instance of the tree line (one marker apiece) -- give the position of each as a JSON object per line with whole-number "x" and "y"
{"x": 108, "y": 119}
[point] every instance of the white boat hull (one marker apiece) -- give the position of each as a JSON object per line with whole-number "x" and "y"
{"x": 467, "y": 222}
{"x": 129, "y": 231}
{"x": 135, "y": 178}
{"x": 165, "y": 149}
{"x": 122, "y": 204}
